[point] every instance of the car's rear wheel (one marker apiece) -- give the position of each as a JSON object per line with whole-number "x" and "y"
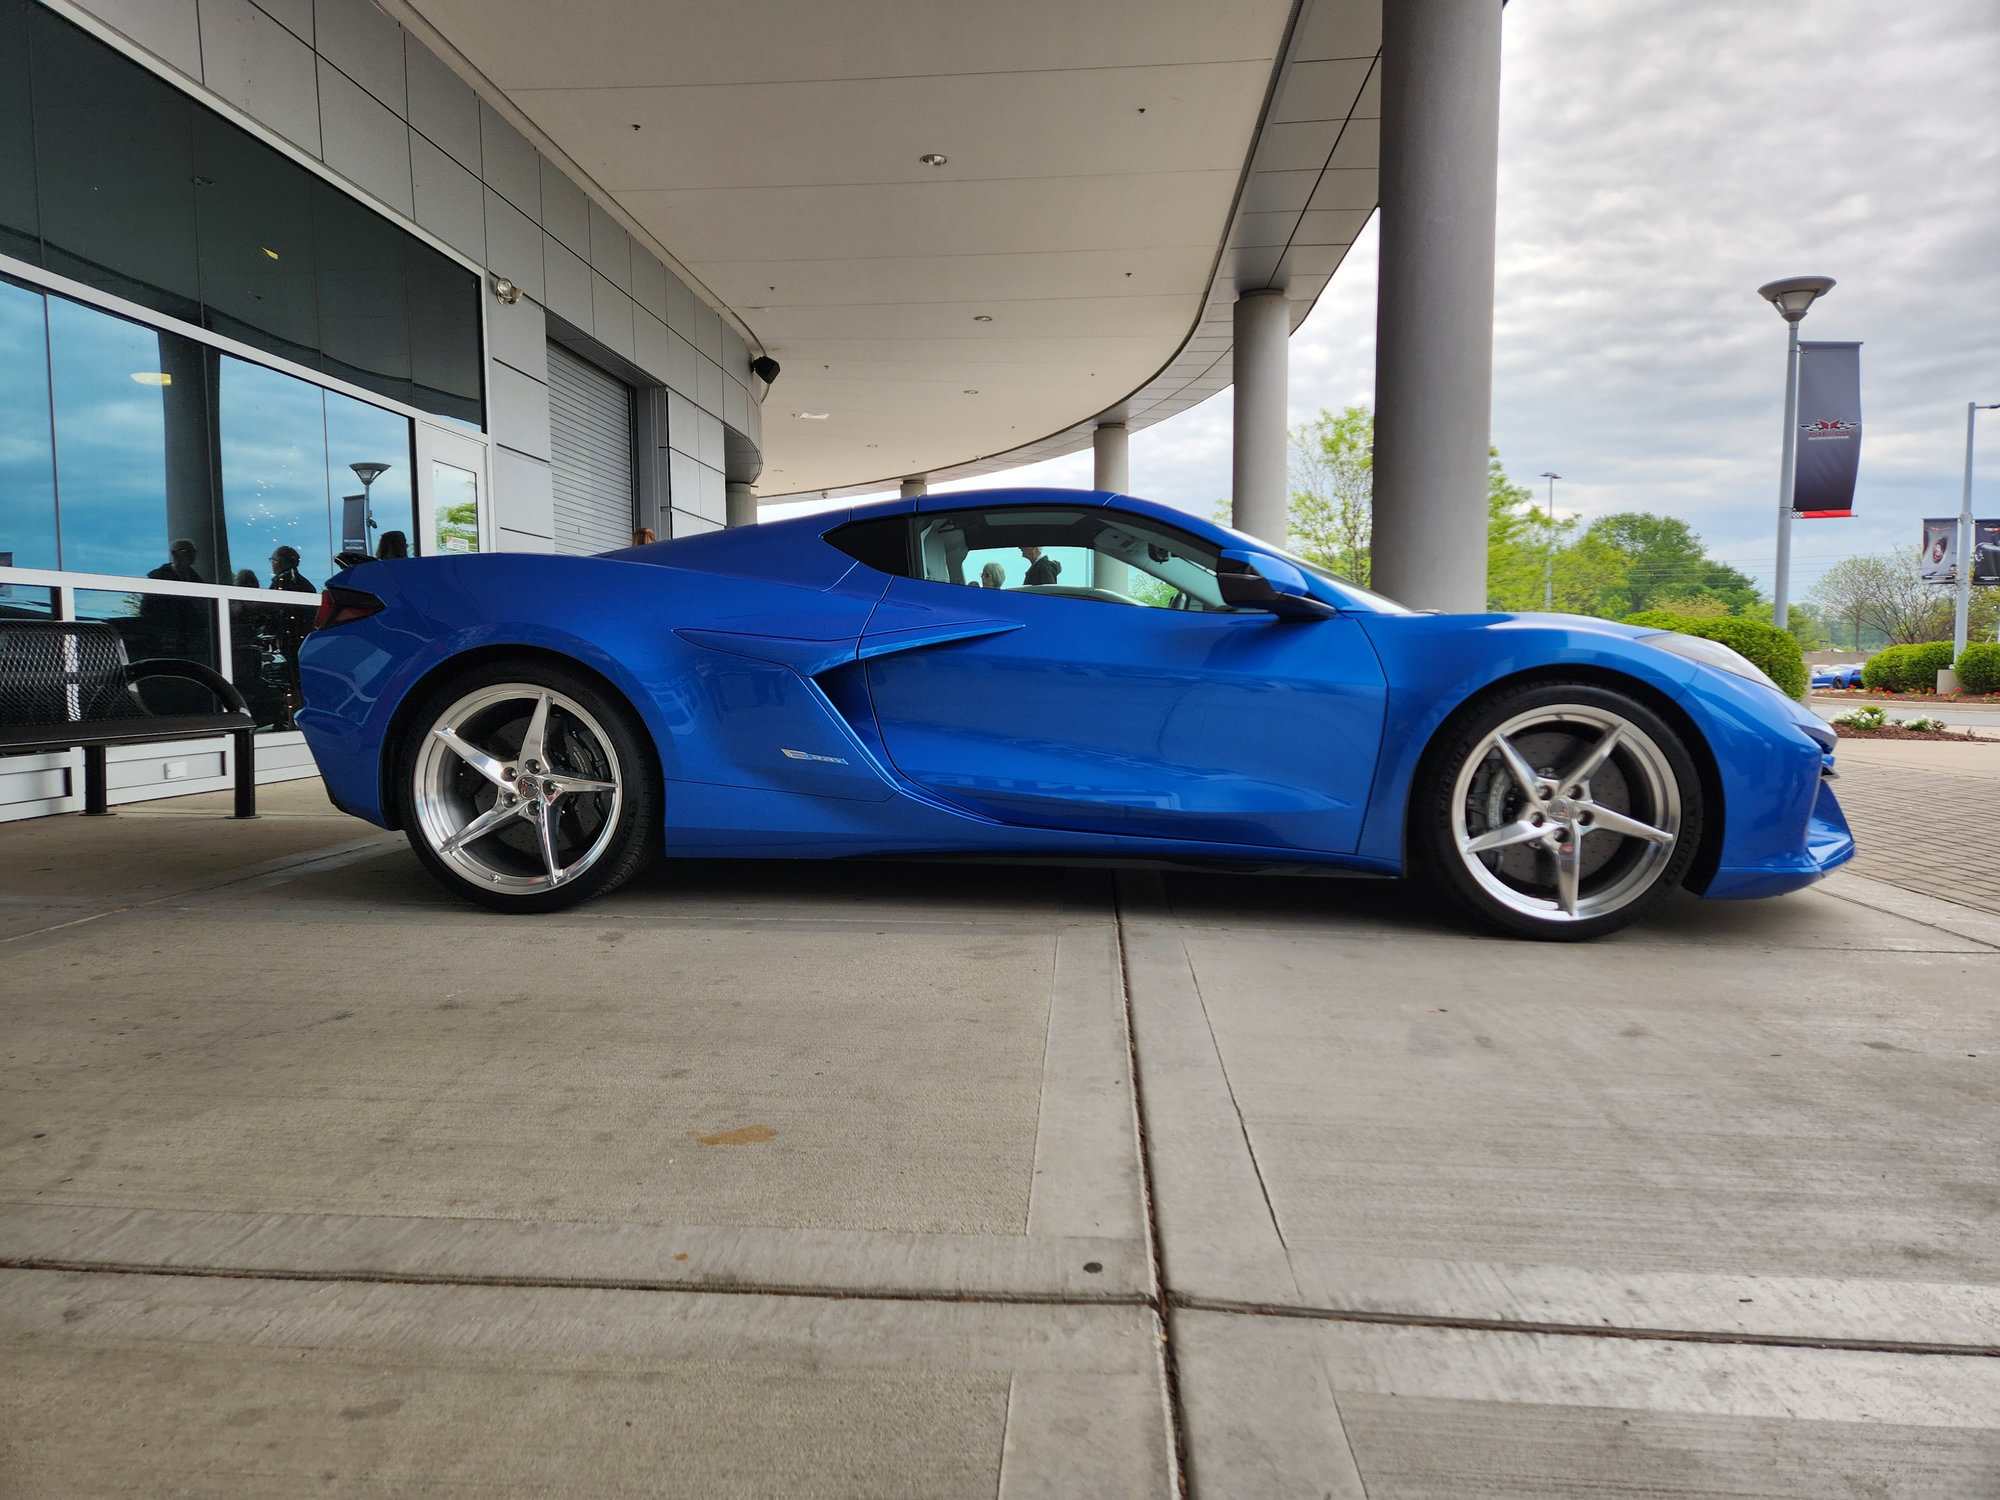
{"x": 1558, "y": 811}
{"x": 528, "y": 788}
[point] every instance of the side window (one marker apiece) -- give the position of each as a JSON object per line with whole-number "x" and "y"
{"x": 1075, "y": 553}
{"x": 882, "y": 544}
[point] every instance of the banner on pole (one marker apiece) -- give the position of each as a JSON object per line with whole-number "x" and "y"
{"x": 1829, "y": 448}
{"x": 1939, "y": 563}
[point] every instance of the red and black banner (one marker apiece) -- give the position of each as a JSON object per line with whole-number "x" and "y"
{"x": 1829, "y": 437}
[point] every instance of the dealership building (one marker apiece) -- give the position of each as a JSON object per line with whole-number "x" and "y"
{"x": 288, "y": 282}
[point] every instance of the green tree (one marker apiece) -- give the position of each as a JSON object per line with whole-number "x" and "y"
{"x": 1885, "y": 595}
{"x": 1804, "y": 625}
{"x": 1536, "y": 561}
{"x": 1669, "y": 561}
{"x": 1333, "y": 486}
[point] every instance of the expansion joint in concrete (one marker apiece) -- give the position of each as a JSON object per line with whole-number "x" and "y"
{"x": 1176, "y": 1412}
{"x": 1575, "y": 1330}
{"x": 574, "y": 1283}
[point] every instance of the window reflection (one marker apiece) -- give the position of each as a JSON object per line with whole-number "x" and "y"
{"x": 172, "y": 460}
{"x": 274, "y": 480}
{"x": 360, "y": 434}
{"x": 20, "y": 601}
{"x": 27, "y": 461}
{"x": 264, "y": 658}
{"x": 455, "y": 493}
{"x": 113, "y": 176}
{"x": 153, "y": 625}
{"x": 111, "y": 439}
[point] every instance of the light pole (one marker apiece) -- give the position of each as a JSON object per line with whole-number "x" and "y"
{"x": 367, "y": 473}
{"x": 1962, "y": 614}
{"x": 1549, "y": 550}
{"x": 1791, "y": 297}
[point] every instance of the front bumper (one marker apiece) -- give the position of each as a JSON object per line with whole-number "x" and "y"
{"x": 1828, "y": 845}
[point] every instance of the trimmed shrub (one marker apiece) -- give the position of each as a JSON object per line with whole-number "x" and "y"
{"x": 1907, "y": 669}
{"x": 1774, "y": 650}
{"x": 1978, "y": 668}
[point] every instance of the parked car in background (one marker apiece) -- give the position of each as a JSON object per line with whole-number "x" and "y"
{"x": 1843, "y": 674}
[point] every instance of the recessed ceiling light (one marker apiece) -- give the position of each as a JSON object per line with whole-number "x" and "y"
{"x": 982, "y": 317}
{"x": 934, "y": 158}
{"x": 812, "y": 416}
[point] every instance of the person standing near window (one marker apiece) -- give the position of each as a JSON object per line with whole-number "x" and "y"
{"x": 1041, "y": 570}
{"x": 179, "y": 566}
{"x": 285, "y": 572}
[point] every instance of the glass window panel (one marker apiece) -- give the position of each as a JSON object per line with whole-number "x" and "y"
{"x": 455, "y": 497}
{"x": 264, "y": 641}
{"x": 255, "y": 212}
{"x": 272, "y": 431}
{"x": 21, "y": 601}
{"x": 444, "y": 335}
{"x": 27, "y": 457}
{"x": 109, "y": 392}
{"x": 156, "y": 625}
{"x": 1077, "y": 554}
{"x": 19, "y": 232}
{"x": 357, "y": 433}
{"x": 363, "y": 297}
{"x": 115, "y": 171}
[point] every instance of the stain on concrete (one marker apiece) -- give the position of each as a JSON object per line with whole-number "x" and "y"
{"x": 749, "y": 1135}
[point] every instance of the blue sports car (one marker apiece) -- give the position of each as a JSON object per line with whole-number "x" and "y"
{"x": 1049, "y": 675}
{"x": 1845, "y": 674}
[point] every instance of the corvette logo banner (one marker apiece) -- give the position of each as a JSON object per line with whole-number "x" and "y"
{"x": 1829, "y": 444}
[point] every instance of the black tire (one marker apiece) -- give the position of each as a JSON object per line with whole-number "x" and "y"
{"x": 1545, "y": 862}
{"x": 596, "y": 787}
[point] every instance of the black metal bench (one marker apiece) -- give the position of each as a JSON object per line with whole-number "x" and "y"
{"x": 65, "y": 685}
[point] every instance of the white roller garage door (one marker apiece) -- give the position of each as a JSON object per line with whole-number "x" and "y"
{"x": 590, "y": 432}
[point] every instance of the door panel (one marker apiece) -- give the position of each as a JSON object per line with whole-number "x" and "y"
{"x": 1227, "y": 728}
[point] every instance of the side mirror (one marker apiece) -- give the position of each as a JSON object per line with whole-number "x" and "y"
{"x": 1252, "y": 580}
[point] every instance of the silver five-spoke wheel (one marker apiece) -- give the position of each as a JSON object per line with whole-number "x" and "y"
{"x": 516, "y": 788}
{"x": 1557, "y": 810}
{"x": 1566, "y": 813}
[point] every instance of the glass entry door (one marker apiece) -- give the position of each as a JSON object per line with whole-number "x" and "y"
{"x": 451, "y": 475}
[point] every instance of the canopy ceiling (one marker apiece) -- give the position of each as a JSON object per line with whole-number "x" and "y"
{"x": 1115, "y": 171}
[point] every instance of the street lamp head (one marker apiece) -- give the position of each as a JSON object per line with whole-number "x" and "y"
{"x": 1792, "y": 296}
{"x": 368, "y": 473}
{"x": 1545, "y": 474}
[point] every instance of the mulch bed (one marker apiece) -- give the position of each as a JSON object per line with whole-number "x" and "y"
{"x": 1899, "y": 732}
{"x": 1876, "y": 695}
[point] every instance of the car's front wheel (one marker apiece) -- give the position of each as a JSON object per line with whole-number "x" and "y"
{"x": 529, "y": 788}
{"x": 1557, "y": 811}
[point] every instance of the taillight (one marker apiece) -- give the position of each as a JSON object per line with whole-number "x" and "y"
{"x": 340, "y": 606}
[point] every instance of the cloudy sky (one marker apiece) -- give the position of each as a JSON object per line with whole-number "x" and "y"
{"x": 1659, "y": 160}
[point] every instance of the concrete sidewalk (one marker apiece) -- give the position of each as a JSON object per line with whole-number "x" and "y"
{"x": 763, "y": 1179}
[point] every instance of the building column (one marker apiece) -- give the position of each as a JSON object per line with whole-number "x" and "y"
{"x": 1261, "y": 494}
{"x": 739, "y": 505}
{"x": 1111, "y": 469}
{"x": 1111, "y": 451}
{"x": 1434, "y": 312}
{"x": 915, "y": 485}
